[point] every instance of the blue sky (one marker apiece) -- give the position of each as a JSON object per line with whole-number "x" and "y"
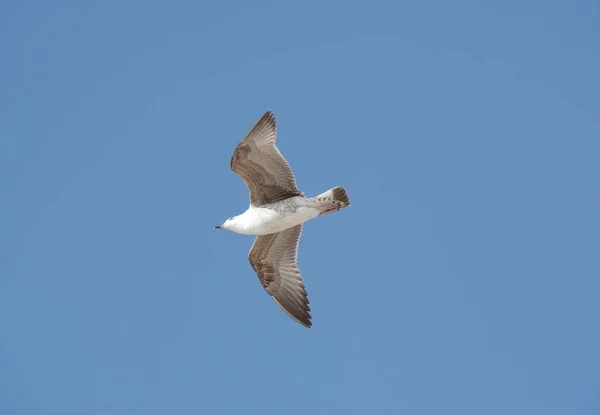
{"x": 464, "y": 279}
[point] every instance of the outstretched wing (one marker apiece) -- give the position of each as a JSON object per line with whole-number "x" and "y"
{"x": 259, "y": 163}
{"x": 273, "y": 257}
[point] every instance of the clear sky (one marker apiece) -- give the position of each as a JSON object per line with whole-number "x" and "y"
{"x": 464, "y": 279}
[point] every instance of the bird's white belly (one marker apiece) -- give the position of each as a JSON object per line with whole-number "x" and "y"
{"x": 263, "y": 221}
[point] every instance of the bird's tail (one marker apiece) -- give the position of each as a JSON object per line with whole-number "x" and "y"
{"x": 332, "y": 200}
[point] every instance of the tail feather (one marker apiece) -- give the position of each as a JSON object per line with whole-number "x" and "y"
{"x": 336, "y": 196}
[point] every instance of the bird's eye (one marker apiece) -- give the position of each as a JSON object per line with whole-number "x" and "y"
{"x": 230, "y": 219}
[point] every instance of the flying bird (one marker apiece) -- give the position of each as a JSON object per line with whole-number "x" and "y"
{"x": 276, "y": 215}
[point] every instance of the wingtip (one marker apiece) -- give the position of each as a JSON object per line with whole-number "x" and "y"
{"x": 268, "y": 115}
{"x": 306, "y": 323}
{"x": 304, "y": 320}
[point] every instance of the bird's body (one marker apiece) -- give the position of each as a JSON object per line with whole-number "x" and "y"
{"x": 276, "y": 215}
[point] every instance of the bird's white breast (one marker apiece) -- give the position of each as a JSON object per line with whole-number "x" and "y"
{"x": 277, "y": 217}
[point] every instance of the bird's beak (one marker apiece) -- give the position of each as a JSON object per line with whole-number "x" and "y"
{"x": 218, "y": 227}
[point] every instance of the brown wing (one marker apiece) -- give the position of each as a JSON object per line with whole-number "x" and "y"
{"x": 260, "y": 164}
{"x": 273, "y": 257}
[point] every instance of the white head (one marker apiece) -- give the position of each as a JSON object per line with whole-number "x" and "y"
{"x": 232, "y": 224}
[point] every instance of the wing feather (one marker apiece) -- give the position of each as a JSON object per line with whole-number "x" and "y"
{"x": 258, "y": 161}
{"x": 273, "y": 258}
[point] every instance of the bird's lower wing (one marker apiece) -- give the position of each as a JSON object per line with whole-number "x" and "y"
{"x": 273, "y": 258}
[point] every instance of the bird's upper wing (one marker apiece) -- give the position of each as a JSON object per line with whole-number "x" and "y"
{"x": 260, "y": 164}
{"x": 273, "y": 257}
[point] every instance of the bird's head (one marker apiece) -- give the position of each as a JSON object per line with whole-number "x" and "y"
{"x": 230, "y": 224}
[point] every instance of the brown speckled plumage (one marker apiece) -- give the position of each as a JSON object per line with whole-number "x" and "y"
{"x": 273, "y": 258}
{"x": 260, "y": 164}
{"x": 272, "y": 188}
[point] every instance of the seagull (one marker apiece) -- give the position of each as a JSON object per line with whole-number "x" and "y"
{"x": 276, "y": 215}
